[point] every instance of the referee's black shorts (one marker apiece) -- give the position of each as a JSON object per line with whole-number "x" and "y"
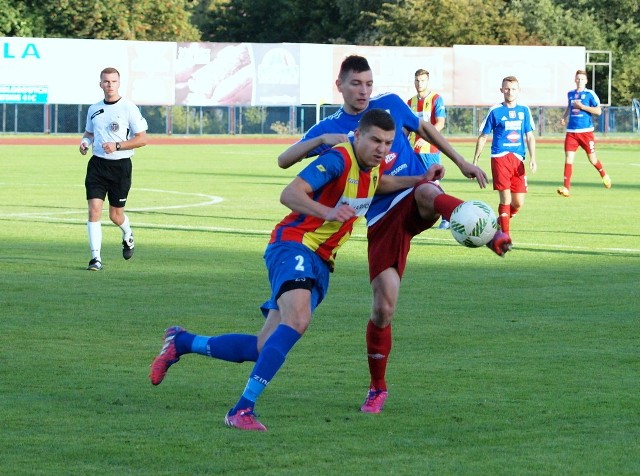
{"x": 110, "y": 178}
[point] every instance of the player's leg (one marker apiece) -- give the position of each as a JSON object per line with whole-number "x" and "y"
{"x": 433, "y": 202}
{"x": 94, "y": 232}
{"x": 178, "y": 342}
{"x": 429, "y": 196}
{"x": 386, "y": 288}
{"x": 593, "y": 159}
{"x": 504, "y": 210}
{"x": 96, "y": 192}
{"x": 299, "y": 281}
{"x": 118, "y": 194}
{"x": 570, "y": 147}
{"x": 295, "y": 311}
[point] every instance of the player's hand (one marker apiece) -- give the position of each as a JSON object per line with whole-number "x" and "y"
{"x": 109, "y": 147}
{"x": 341, "y": 213}
{"x": 417, "y": 146}
{"x": 84, "y": 146}
{"x": 472, "y": 171}
{"x": 533, "y": 165}
{"x": 435, "y": 172}
{"x": 333, "y": 139}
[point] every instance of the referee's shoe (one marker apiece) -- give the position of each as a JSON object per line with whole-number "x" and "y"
{"x": 127, "y": 247}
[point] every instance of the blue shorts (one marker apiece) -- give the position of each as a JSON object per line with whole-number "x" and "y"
{"x": 288, "y": 261}
{"x": 430, "y": 159}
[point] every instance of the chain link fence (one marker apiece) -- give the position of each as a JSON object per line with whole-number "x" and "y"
{"x": 185, "y": 120}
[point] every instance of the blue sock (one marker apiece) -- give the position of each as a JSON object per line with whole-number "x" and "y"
{"x": 183, "y": 343}
{"x": 229, "y": 347}
{"x": 270, "y": 360}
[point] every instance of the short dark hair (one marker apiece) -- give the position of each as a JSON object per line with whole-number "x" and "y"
{"x": 511, "y": 79}
{"x": 581, "y": 71}
{"x": 421, "y": 72}
{"x": 354, "y": 63}
{"x": 376, "y": 118}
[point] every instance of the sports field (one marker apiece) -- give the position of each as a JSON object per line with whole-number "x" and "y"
{"x": 527, "y": 364}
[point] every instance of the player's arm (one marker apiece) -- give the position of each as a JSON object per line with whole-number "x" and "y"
{"x": 431, "y": 134}
{"x": 565, "y": 114}
{"x": 138, "y": 140}
{"x": 482, "y": 140}
{"x": 393, "y": 183}
{"x": 439, "y": 125}
{"x": 297, "y": 196}
{"x": 301, "y": 149}
{"x": 531, "y": 146}
{"x": 594, "y": 110}
{"x": 85, "y": 142}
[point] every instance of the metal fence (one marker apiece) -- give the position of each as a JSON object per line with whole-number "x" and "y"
{"x": 185, "y": 120}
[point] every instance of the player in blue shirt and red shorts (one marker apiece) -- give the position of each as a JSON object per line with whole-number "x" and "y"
{"x": 512, "y": 127}
{"x": 393, "y": 218}
{"x": 582, "y": 105}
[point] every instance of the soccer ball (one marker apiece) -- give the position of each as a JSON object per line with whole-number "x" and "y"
{"x": 473, "y": 223}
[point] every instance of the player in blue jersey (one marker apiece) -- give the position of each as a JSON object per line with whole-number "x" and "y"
{"x": 512, "y": 127}
{"x": 326, "y": 199}
{"x": 393, "y": 218}
{"x": 582, "y": 105}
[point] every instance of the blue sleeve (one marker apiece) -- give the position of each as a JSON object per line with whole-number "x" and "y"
{"x": 315, "y": 131}
{"x": 327, "y": 167}
{"x": 529, "y": 125}
{"x": 487, "y": 124}
{"x": 402, "y": 114}
{"x": 438, "y": 108}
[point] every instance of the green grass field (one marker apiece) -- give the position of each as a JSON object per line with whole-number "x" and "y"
{"x": 523, "y": 365}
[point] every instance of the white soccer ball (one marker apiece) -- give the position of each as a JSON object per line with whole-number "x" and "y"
{"x": 473, "y": 223}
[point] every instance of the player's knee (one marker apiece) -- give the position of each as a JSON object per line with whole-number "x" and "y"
{"x": 382, "y": 313}
{"x": 425, "y": 196}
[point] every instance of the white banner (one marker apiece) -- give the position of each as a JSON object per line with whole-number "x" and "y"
{"x": 66, "y": 71}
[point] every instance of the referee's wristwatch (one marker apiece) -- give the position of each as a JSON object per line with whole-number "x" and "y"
{"x": 118, "y": 146}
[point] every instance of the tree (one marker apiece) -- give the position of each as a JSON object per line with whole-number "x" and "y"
{"x": 166, "y": 20}
{"x": 13, "y": 20}
{"x": 277, "y": 21}
{"x": 449, "y": 22}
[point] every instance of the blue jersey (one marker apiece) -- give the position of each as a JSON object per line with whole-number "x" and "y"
{"x": 402, "y": 160}
{"x": 579, "y": 120}
{"x": 509, "y": 126}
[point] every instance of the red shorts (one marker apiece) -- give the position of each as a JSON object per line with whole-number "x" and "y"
{"x": 390, "y": 237}
{"x": 508, "y": 173}
{"x": 573, "y": 140}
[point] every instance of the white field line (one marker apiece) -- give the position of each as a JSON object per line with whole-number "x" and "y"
{"x": 55, "y": 216}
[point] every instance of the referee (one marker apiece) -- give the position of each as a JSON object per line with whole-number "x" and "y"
{"x": 115, "y": 127}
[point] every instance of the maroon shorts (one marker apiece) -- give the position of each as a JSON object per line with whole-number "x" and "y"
{"x": 390, "y": 237}
{"x": 508, "y": 173}
{"x": 586, "y": 140}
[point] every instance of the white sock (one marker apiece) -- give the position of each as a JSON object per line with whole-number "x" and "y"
{"x": 94, "y": 228}
{"x": 126, "y": 229}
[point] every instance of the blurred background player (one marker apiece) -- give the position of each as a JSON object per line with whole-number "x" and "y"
{"x": 429, "y": 106}
{"x": 512, "y": 127}
{"x": 582, "y": 105}
{"x": 115, "y": 127}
